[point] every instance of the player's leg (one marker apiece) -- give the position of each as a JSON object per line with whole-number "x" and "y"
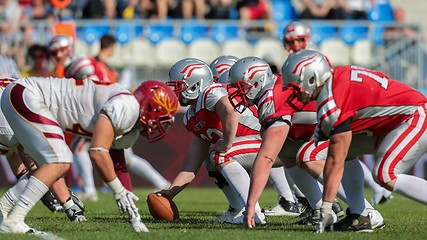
{"x": 398, "y": 152}
{"x": 84, "y": 165}
{"x": 380, "y": 194}
{"x": 243, "y": 151}
{"x": 287, "y": 205}
{"x": 235, "y": 204}
{"x": 33, "y": 123}
{"x": 145, "y": 170}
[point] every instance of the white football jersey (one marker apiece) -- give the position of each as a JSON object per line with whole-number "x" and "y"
{"x": 76, "y": 105}
{"x": 6, "y": 135}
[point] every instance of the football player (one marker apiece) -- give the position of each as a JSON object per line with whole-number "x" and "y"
{"x": 287, "y": 205}
{"x": 230, "y": 140}
{"x": 42, "y": 109}
{"x": 296, "y": 37}
{"x": 361, "y": 111}
{"x": 283, "y": 118}
{"x": 84, "y": 67}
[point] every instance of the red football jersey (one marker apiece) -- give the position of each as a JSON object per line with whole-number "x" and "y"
{"x": 205, "y": 123}
{"x": 276, "y": 103}
{"x": 375, "y": 102}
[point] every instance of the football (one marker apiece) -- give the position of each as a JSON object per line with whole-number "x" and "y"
{"x": 162, "y": 207}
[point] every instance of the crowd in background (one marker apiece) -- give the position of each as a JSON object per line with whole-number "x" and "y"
{"x": 17, "y": 31}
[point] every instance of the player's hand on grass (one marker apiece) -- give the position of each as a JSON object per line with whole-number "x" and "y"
{"x": 249, "y": 217}
{"x": 325, "y": 223}
{"x": 137, "y": 224}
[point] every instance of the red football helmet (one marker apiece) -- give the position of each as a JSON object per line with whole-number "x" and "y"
{"x": 4, "y": 81}
{"x": 158, "y": 106}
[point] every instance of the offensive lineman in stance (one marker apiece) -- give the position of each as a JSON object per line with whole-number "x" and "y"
{"x": 361, "y": 111}
{"x": 42, "y": 109}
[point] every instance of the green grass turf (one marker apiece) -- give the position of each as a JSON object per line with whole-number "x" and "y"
{"x": 406, "y": 219}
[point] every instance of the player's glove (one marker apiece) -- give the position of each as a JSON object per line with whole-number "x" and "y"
{"x": 75, "y": 213}
{"x": 50, "y": 202}
{"x": 138, "y": 225}
{"x": 125, "y": 201}
{"x": 326, "y": 222}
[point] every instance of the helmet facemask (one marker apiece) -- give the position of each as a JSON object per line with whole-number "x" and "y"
{"x": 237, "y": 95}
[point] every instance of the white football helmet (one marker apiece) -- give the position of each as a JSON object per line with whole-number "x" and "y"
{"x": 64, "y": 44}
{"x": 296, "y": 30}
{"x": 305, "y": 71}
{"x": 246, "y": 78}
{"x": 221, "y": 64}
{"x": 80, "y": 68}
{"x": 188, "y": 78}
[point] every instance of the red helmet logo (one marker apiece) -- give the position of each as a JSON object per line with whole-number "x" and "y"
{"x": 188, "y": 70}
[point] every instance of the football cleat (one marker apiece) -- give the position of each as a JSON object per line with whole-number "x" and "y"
{"x": 337, "y": 208}
{"x": 309, "y": 217}
{"x": 260, "y": 218}
{"x": 283, "y": 208}
{"x": 354, "y": 223}
{"x": 313, "y": 217}
{"x": 19, "y": 227}
{"x": 381, "y": 197}
{"x": 377, "y": 221}
{"x": 228, "y": 216}
{"x": 303, "y": 204}
{"x": 51, "y": 202}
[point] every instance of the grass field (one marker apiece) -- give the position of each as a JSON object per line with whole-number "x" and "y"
{"x": 405, "y": 220}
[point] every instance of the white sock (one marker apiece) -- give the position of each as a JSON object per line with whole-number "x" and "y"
{"x": 84, "y": 164}
{"x": 308, "y": 186}
{"x": 411, "y": 187}
{"x": 369, "y": 180}
{"x": 233, "y": 198}
{"x": 145, "y": 170}
{"x": 8, "y": 200}
{"x": 278, "y": 179}
{"x": 353, "y": 183}
{"x": 32, "y": 193}
{"x": 293, "y": 186}
{"x": 239, "y": 179}
{"x": 340, "y": 193}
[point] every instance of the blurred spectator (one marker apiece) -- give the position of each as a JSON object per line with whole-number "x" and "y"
{"x": 397, "y": 31}
{"x": 356, "y": 9}
{"x": 10, "y": 38}
{"x": 107, "y": 44}
{"x": 39, "y": 61}
{"x": 38, "y": 9}
{"x": 254, "y": 9}
{"x": 95, "y": 9}
{"x": 127, "y": 9}
{"x": 321, "y": 9}
{"x": 156, "y": 9}
{"x": 219, "y": 9}
{"x": 192, "y": 8}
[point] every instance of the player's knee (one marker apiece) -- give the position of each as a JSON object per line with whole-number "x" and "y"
{"x": 220, "y": 180}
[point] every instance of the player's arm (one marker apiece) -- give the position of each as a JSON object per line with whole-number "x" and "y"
{"x": 339, "y": 144}
{"x": 272, "y": 141}
{"x": 102, "y": 139}
{"x": 195, "y": 157}
{"x": 229, "y": 120}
